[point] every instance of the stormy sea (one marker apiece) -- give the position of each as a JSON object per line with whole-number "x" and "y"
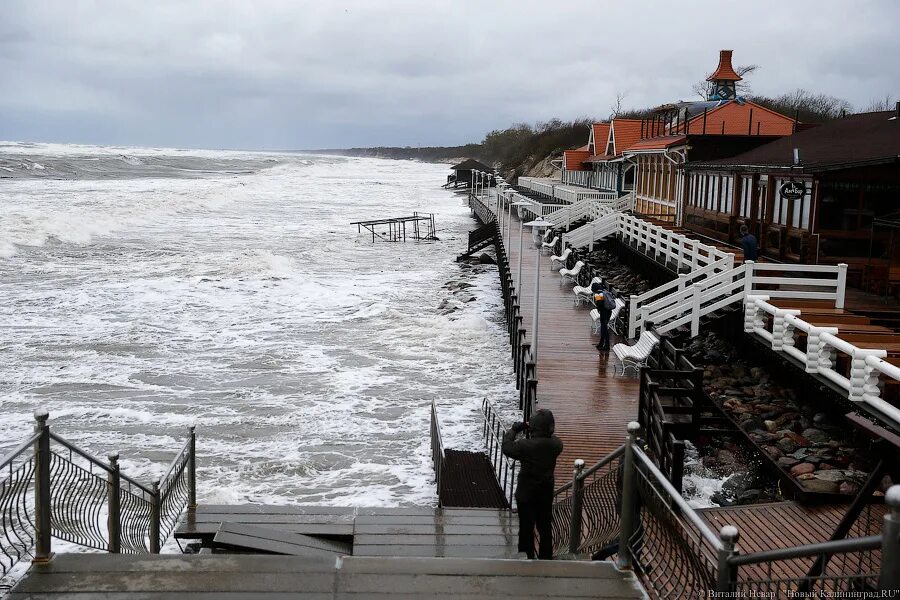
{"x": 146, "y": 290}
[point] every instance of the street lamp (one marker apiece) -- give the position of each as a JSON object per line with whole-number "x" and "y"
{"x": 536, "y": 226}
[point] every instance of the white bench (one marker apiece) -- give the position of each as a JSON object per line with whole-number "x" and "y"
{"x": 583, "y": 294}
{"x": 571, "y": 274}
{"x": 636, "y": 356}
{"x": 561, "y": 259}
{"x": 549, "y": 246}
{"x": 595, "y": 317}
{"x": 614, "y": 317}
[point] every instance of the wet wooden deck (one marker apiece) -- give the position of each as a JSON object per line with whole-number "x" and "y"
{"x": 245, "y": 577}
{"x": 591, "y": 404}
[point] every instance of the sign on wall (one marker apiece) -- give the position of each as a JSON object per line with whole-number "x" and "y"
{"x": 793, "y": 190}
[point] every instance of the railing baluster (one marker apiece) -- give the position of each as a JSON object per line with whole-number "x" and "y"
{"x": 42, "y": 508}
{"x": 114, "y": 518}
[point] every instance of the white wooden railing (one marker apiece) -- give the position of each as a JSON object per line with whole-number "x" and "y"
{"x": 538, "y": 185}
{"x": 563, "y": 193}
{"x": 582, "y": 178}
{"x": 868, "y": 373}
{"x": 715, "y": 291}
{"x": 635, "y": 320}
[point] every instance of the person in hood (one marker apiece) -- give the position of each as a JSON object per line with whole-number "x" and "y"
{"x": 537, "y": 456}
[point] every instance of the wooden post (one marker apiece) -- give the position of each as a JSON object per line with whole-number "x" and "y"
{"x": 42, "y": 510}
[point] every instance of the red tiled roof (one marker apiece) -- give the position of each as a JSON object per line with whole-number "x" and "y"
{"x": 736, "y": 118}
{"x": 625, "y": 133}
{"x": 572, "y": 159}
{"x": 658, "y": 143}
{"x": 598, "y": 158}
{"x": 724, "y": 72}
{"x": 863, "y": 139}
{"x": 600, "y": 137}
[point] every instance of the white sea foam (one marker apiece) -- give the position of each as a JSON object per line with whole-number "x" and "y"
{"x": 247, "y": 305}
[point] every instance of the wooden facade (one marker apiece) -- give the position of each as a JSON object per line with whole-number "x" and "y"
{"x": 851, "y": 174}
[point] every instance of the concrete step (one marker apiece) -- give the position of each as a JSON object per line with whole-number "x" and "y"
{"x": 239, "y": 577}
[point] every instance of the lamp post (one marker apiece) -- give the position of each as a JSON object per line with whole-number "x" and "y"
{"x": 536, "y": 226}
{"x": 509, "y": 233}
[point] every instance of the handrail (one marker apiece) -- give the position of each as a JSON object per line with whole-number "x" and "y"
{"x": 97, "y": 462}
{"x": 438, "y": 456}
{"x": 26, "y": 445}
{"x": 65, "y": 492}
{"x": 869, "y": 542}
{"x": 593, "y": 468}
{"x": 684, "y": 508}
{"x": 504, "y": 467}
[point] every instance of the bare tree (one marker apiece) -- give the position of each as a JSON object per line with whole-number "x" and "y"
{"x": 886, "y": 103}
{"x": 808, "y": 106}
{"x": 703, "y": 88}
{"x": 617, "y": 108}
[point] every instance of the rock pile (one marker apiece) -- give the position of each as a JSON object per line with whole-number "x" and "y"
{"x": 623, "y": 280}
{"x": 816, "y": 448}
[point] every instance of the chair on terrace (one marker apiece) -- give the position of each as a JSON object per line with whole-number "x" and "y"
{"x": 583, "y": 294}
{"x": 571, "y": 275}
{"x": 561, "y": 259}
{"x": 548, "y": 247}
{"x": 636, "y": 356}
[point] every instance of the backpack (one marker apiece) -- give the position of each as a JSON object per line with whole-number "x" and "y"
{"x": 609, "y": 300}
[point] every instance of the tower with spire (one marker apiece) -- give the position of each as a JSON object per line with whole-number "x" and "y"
{"x": 723, "y": 82}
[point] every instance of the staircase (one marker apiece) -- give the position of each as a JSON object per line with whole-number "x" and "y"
{"x": 479, "y": 239}
{"x": 253, "y": 576}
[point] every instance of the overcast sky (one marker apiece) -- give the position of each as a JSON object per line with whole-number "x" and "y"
{"x": 287, "y": 74}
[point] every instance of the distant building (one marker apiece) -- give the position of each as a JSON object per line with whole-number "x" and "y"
{"x": 723, "y": 125}
{"x": 462, "y": 173}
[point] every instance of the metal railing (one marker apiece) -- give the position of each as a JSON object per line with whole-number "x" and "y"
{"x": 53, "y": 488}
{"x": 505, "y": 468}
{"x": 676, "y": 554}
{"x": 524, "y": 364}
{"x": 437, "y": 449}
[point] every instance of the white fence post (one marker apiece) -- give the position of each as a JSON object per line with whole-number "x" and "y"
{"x": 841, "y": 285}
{"x": 751, "y": 312}
{"x": 780, "y": 329}
{"x": 632, "y": 317}
{"x": 858, "y": 374}
{"x": 696, "y": 301}
{"x": 813, "y": 346}
{"x": 748, "y": 278}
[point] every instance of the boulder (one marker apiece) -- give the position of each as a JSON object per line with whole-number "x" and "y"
{"x": 802, "y": 469}
{"x": 486, "y": 259}
{"x": 816, "y": 435}
{"x": 820, "y": 486}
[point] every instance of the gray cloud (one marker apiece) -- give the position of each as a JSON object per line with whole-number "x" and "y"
{"x": 289, "y": 74}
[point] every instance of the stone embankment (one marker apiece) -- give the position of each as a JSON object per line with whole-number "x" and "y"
{"x": 813, "y": 445}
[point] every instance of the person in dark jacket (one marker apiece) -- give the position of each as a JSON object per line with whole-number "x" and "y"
{"x": 749, "y": 244}
{"x": 534, "y": 492}
{"x": 603, "y": 301}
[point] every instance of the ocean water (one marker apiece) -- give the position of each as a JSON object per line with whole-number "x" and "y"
{"x": 143, "y": 290}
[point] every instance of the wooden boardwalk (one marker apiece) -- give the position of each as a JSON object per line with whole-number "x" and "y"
{"x": 592, "y": 404}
